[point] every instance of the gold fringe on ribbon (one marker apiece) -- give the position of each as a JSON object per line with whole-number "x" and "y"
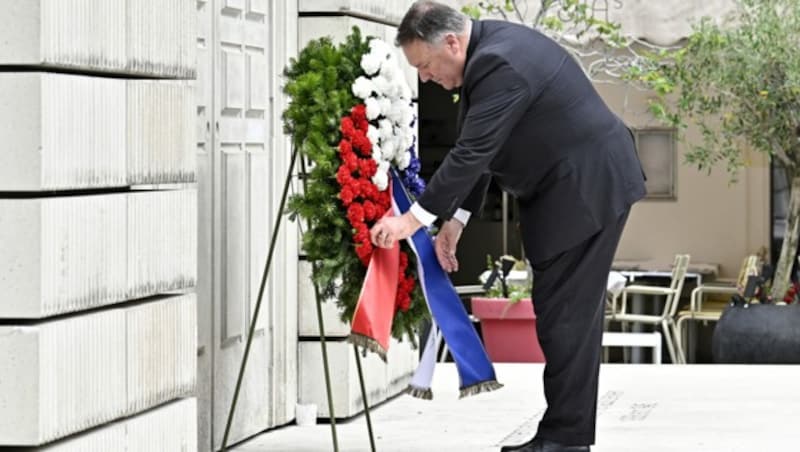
{"x": 420, "y": 393}
{"x": 367, "y": 343}
{"x": 478, "y": 388}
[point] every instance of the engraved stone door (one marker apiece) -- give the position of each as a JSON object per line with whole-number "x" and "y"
{"x": 241, "y": 164}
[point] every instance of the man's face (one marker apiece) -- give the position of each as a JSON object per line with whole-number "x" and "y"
{"x": 442, "y": 62}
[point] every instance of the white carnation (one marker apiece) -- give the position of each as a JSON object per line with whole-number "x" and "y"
{"x": 397, "y": 112}
{"x": 385, "y": 105}
{"x": 407, "y": 116}
{"x": 389, "y": 70}
{"x": 371, "y": 63}
{"x": 379, "y": 47}
{"x": 405, "y": 140}
{"x": 385, "y": 128}
{"x": 374, "y": 108}
{"x": 404, "y": 161}
{"x": 405, "y": 90}
{"x": 363, "y": 87}
{"x": 382, "y": 86}
{"x": 389, "y": 148}
{"x": 381, "y": 180}
{"x": 373, "y": 134}
{"x": 377, "y": 153}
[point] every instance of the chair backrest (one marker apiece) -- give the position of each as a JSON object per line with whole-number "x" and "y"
{"x": 749, "y": 268}
{"x": 679, "y": 267}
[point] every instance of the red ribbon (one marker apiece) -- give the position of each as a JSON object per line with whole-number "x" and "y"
{"x": 376, "y": 303}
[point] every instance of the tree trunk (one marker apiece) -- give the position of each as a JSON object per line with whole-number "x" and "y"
{"x": 783, "y": 269}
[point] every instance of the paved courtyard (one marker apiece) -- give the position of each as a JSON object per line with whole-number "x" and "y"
{"x": 642, "y": 408}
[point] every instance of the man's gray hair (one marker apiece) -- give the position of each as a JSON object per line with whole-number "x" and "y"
{"x": 428, "y": 21}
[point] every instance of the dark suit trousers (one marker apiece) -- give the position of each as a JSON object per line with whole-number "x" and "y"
{"x": 568, "y": 297}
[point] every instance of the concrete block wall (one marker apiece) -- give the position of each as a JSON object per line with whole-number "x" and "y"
{"x": 335, "y": 19}
{"x": 168, "y": 428}
{"x": 98, "y": 225}
{"x": 75, "y": 132}
{"x": 76, "y": 372}
{"x": 136, "y": 37}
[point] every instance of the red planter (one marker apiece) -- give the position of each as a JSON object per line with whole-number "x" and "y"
{"x": 509, "y": 331}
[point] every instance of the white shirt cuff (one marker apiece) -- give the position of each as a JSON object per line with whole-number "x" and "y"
{"x": 462, "y": 216}
{"x": 422, "y": 215}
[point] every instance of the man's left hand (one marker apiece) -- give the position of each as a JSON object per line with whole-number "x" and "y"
{"x": 389, "y": 229}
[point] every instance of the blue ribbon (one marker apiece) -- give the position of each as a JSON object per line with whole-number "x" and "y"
{"x": 475, "y": 371}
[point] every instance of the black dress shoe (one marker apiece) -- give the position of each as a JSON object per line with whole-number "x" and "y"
{"x": 543, "y": 445}
{"x": 525, "y": 447}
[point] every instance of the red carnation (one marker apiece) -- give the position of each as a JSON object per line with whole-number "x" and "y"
{"x": 348, "y": 128}
{"x": 359, "y": 113}
{"x": 350, "y": 160}
{"x": 403, "y": 301}
{"x": 367, "y": 167}
{"x": 361, "y": 236}
{"x": 345, "y": 147}
{"x": 362, "y": 143}
{"x": 343, "y": 175}
{"x": 346, "y": 195}
{"x": 364, "y": 252}
{"x": 355, "y": 213}
{"x": 370, "y": 210}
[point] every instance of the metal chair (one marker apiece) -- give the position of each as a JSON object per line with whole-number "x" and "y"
{"x": 711, "y": 311}
{"x": 671, "y": 294}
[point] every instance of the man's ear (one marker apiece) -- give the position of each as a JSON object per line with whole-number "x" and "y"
{"x": 452, "y": 42}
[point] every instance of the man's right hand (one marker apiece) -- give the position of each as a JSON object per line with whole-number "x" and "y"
{"x": 446, "y": 242}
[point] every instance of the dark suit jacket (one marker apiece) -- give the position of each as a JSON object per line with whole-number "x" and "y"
{"x": 532, "y": 120}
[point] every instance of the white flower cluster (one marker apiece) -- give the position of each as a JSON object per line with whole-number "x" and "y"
{"x": 388, "y": 100}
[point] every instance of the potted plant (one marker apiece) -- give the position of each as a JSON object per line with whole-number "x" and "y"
{"x": 508, "y": 322}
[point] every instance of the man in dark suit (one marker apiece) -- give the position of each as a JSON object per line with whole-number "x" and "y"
{"x": 530, "y": 119}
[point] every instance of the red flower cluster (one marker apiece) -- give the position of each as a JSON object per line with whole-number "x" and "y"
{"x": 791, "y": 293}
{"x": 362, "y": 200}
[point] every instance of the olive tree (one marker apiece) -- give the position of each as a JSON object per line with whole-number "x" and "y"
{"x": 738, "y": 81}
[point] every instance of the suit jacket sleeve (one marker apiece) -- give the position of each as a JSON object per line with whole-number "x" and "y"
{"x": 497, "y": 97}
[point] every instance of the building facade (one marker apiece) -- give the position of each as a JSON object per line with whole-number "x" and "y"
{"x": 140, "y": 178}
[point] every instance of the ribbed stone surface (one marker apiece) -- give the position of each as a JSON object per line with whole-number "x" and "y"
{"x": 65, "y": 254}
{"x": 143, "y": 37}
{"x": 161, "y": 37}
{"x": 168, "y": 428}
{"x": 161, "y": 351}
{"x": 307, "y": 322}
{"x": 61, "y": 254}
{"x": 388, "y": 10}
{"x": 381, "y": 380}
{"x": 73, "y": 132}
{"x": 160, "y": 132}
{"x": 162, "y": 241}
{"x": 61, "y": 131}
{"x": 67, "y": 375}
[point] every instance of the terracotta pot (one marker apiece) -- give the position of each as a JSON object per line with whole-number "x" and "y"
{"x": 509, "y": 330}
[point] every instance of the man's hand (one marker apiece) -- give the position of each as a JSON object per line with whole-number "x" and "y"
{"x": 446, "y": 242}
{"x": 389, "y": 229}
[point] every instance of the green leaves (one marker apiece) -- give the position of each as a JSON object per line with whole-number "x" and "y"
{"x": 737, "y": 83}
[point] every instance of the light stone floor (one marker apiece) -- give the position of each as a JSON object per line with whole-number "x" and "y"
{"x": 642, "y": 408}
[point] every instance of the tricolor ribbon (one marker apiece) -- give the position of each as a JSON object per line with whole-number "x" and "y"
{"x": 373, "y": 316}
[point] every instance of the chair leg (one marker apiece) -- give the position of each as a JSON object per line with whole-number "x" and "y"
{"x": 626, "y": 351}
{"x": 675, "y": 343}
{"x": 668, "y": 340}
{"x": 679, "y": 339}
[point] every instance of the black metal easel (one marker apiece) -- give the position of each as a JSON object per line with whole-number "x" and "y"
{"x": 273, "y": 242}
